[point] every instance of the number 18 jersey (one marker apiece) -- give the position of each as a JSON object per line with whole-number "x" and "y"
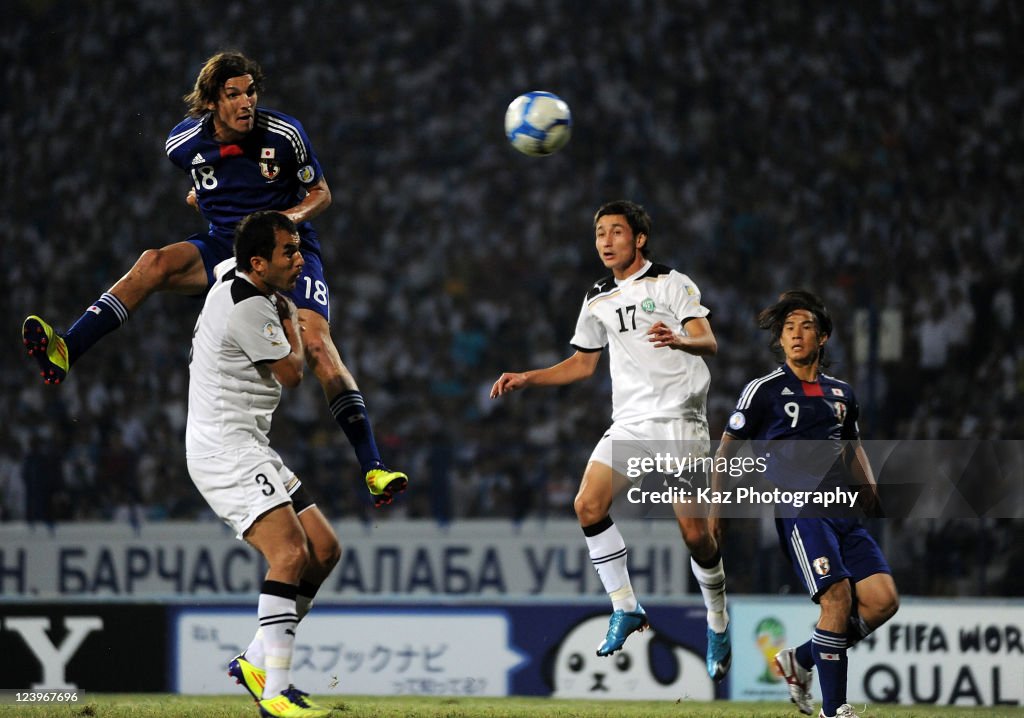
{"x": 269, "y": 168}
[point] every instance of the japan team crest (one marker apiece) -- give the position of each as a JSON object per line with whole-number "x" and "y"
{"x": 840, "y": 409}
{"x": 269, "y": 166}
{"x": 821, "y": 566}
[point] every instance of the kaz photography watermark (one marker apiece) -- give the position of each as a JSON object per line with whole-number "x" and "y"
{"x": 913, "y": 479}
{"x": 690, "y": 486}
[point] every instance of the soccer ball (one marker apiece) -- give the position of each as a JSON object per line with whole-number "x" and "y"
{"x": 538, "y": 123}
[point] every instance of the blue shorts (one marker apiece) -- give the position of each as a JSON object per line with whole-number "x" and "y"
{"x": 310, "y": 292}
{"x": 213, "y": 251}
{"x": 826, "y": 551}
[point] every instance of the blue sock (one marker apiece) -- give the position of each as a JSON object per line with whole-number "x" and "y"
{"x": 349, "y": 410}
{"x": 804, "y": 656}
{"x": 830, "y": 659}
{"x": 103, "y": 317}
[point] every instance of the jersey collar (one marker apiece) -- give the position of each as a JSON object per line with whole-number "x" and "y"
{"x": 789, "y": 371}
{"x": 638, "y": 273}
{"x": 247, "y": 278}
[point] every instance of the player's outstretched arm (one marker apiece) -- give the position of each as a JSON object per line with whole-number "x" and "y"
{"x": 579, "y": 366}
{"x": 698, "y": 339}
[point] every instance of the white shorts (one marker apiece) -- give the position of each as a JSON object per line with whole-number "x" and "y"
{"x": 631, "y": 448}
{"x": 240, "y": 485}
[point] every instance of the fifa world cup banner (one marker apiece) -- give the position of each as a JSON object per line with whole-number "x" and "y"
{"x": 935, "y": 652}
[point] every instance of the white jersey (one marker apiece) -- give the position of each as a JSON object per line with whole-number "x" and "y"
{"x": 647, "y": 382}
{"x": 232, "y": 394}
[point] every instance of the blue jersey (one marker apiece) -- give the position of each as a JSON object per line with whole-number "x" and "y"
{"x": 779, "y": 412}
{"x": 270, "y": 168}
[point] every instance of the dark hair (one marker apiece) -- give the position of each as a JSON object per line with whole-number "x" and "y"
{"x": 215, "y": 72}
{"x": 773, "y": 317}
{"x": 255, "y": 236}
{"x": 636, "y": 216}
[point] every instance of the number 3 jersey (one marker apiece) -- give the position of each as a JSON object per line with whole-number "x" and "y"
{"x": 799, "y": 426}
{"x": 232, "y": 393}
{"x": 647, "y": 382}
{"x": 270, "y": 168}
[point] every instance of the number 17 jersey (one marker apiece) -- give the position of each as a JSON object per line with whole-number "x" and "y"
{"x": 647, "y": 382}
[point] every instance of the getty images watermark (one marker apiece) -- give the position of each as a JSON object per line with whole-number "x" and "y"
{"x": 687, "y": 491}
{"x": 914, "y": 479}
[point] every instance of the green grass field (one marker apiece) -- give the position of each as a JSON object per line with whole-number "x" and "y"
{"x": 165, "y": 706}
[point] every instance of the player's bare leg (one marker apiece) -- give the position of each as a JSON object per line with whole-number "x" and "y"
{"x": 248, "y": 668}
{"x": 322, "y": 543}
{"x": 598, "y": 488}
{"x": 175, "y": 268}
{"x": 279, "y": 536}
{"x": 607, "y": 549}
{"x": 706, "y": 564}
{"x": 348, "y": 407}
{"x": 876, "y": 600}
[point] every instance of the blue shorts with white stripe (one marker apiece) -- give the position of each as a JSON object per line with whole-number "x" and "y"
{"x": 825, "y": 551}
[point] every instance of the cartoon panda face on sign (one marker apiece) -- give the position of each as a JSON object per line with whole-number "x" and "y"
{"x": 628, "y": 673}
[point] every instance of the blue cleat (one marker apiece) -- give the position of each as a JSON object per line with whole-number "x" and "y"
{"x": 620, "y": 625}
{"x": 719, "y": 654}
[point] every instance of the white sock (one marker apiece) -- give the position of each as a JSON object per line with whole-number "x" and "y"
{"x": 278, "y": 619}
{"x": 608, "y": 554}
{"x": 712, "y": 588}
{"x": 254, "y": 653}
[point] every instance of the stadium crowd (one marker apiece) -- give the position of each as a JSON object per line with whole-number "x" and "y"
{"x": 871, "y": 152}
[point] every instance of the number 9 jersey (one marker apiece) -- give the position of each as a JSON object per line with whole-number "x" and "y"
{"x": 783, "y": 409}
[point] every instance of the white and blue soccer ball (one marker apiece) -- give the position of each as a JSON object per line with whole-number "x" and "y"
{"x": 538, "y": 123}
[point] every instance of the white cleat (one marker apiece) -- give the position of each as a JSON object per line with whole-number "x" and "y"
{"x": 799, "y": 680}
